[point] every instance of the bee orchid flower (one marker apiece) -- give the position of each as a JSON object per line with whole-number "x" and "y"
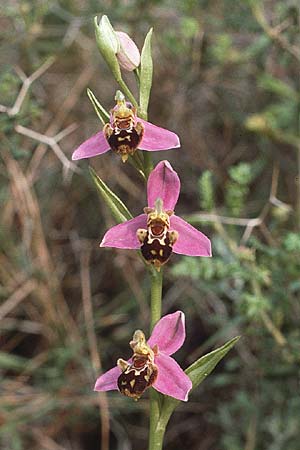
{"x": 159, "y": 232}
{"x": 151, "y": 363}
{"x": 125, "y": 133}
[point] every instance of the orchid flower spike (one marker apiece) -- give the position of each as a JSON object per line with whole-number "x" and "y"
{"x": 125, "y": 133}
{"x": 151, "y": 363}
{"x": 159, "y": 232}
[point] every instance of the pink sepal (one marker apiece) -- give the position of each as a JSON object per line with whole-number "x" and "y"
{"x": 171, "y": 379}
{"x": 191, "y": 242}
{"x": 108, "y": 381}
{"x": 123, "y": 235}
{"x": 157, "y": 138}
{"x": 169, "y": 333}
{"x": 164, "y": 183}
{"x": 95, "y": 145}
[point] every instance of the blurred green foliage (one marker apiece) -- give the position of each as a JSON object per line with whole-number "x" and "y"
{"x": 226, "y": 79}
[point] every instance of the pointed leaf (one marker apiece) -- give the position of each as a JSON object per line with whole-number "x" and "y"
{"x": 146, "y": 72}
{"x": 115, "y": 204}
{"x": 197, "y": 372}
{"x": 100, "y": 111}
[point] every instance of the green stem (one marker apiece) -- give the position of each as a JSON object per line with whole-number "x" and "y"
{"x": 155, "y": 438}
{"x": 154, "y": 417}
{"x": 156, "y": 295}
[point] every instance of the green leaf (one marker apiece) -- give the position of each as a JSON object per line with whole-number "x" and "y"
{"x": 197, "y": 372}
{"x": 117, "y": 207}
{"x": 146, "y": 72}
{"x": 100, "y": 111}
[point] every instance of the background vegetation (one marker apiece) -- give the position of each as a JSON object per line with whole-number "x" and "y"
{"x": 227, "y": 81}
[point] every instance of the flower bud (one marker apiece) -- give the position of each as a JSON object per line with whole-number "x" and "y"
{"x": 128, "y": 54}
{"x": 108, "y": 44}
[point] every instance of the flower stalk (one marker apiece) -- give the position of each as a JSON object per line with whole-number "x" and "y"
{"x": 156, "y": 437}
{"x": 155, "y": 441}
{"x": 156, "y": 295}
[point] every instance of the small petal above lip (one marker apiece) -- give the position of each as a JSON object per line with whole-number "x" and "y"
{"x": 123, "y": 235}
{"x": 169, "y": 333}
{"x": 95, "y": 145}
{"x": 171, "y": 379}
{"x": 164, "y": 183}
{"x": 108, "y": 381}
{"x": 191, "y": 242}
{"x": 156, "y": 138}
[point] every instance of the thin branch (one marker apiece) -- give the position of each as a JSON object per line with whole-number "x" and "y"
{"x": 27, "y": 82}
{"x": 67, "y": 105}
{"x": 274, "y": 33}
{"x": 248, "y": 223}
{"x": 20, "y": 294}
{"x": 53, "y": 143}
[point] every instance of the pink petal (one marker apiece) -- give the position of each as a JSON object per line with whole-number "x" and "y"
{"x": 190, "y": 242}
{"x": 164, "y": 183}
{"x": 169, "y": 333}
{"x": 108, "y": 381}
{"x": 124, "y": 234}
{"x": 171, "y": 379}
{"x": 95, "y": 145}
{"x": 156, "y": 138}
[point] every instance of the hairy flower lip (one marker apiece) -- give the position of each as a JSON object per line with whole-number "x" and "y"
{"x": 168, "y": 335}
{"x": 163, "y": 183}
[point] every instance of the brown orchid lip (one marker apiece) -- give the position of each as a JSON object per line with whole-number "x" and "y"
{"x": 141, "y": 373}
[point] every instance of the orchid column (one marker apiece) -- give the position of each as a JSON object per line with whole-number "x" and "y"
{"x": 156, "y": 234}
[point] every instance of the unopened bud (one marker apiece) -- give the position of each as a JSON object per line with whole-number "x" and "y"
{"x": 128, "y": 54}
{"x": 108, "y": 43}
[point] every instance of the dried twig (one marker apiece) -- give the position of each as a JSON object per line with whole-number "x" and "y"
{"x": 20, "y": 294}
{"x": 27, "y": 82}
{"x": 53, "y": 143}
{"x": 275, "y": 33}
{"x": 248, "y": 223}
{"x": 55, "y": 125}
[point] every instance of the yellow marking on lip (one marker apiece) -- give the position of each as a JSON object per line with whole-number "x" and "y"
{"x": 161, "y": 252}
{"x": 124, "y": 138}
{"x": 132, "y": 383}
{"x": 153, "y": 252}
